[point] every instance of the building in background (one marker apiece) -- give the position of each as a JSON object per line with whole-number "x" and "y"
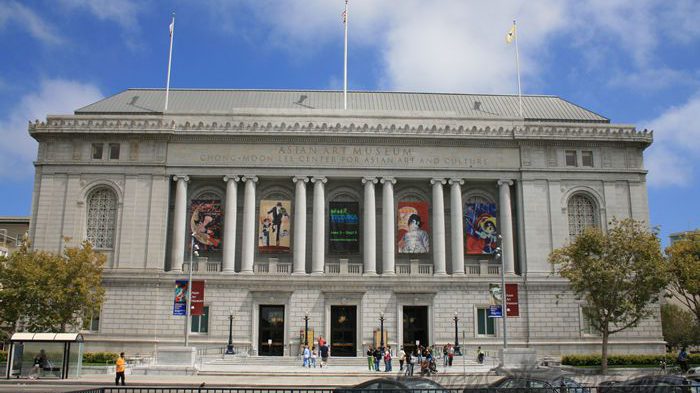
{"x": 12, "y": 231}
{"x": 385, "y": 215}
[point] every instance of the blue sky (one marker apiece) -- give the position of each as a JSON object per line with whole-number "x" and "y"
{"x": 635, "y": 62}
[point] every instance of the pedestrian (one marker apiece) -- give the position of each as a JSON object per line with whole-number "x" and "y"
{"x": 36, "y": 367}
{"x": 306, "y": 355}
{"x": 480, "y": 355}
{"x": 683, "y": 359}
{"x": 377, "y": 358}
{"x": 410, "y": 362}
{"x": 325, "y": 351}
{"x": 444, "y": 354}
{"x": 402, "y": 358}
{"x": 450, "y": 354}
{"x": 370, "y": 358}
{"x": 387, "y": 359}
{"x": 314, "y": 356}
{"x": 120, "y": 367}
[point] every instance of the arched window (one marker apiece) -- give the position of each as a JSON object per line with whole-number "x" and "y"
{"x": 101, "y": 218}
{"x": 583, "y": 213}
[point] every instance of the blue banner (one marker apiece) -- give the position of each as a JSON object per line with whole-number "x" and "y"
{"x": 495, "y": 311}
{"x": 180, "y": 304}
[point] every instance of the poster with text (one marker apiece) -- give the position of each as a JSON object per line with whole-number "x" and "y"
{"x": 495, "y": 301}
{"x": 197, "y": 298}
{"x": 480, "y": 227}
{"x": 412, "y": 224}
{"x": 180, "y": 303}
{"x": 206, "y": 223}
{"x": 275, "y": 225}
{"x": 344, "y": 228}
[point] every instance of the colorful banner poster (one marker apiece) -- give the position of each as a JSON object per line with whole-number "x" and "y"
{"x": 495, "y": 301}
{"x": 412, "y": 224}
{"x": 344, "y": 228}
{"x": 512, "y": 306}
{"x": 180, "y": 304}
{"x": 197, "y": 298}
{"x": 205, "y": 223}
{"x": 481, "y": 229}
{"x": 274, "y": 223}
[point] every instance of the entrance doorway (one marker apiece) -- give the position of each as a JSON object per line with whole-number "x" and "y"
{"x": 415, "y": 327}
{"x": 344, "y": 330}
{"x": 271, "y": 331}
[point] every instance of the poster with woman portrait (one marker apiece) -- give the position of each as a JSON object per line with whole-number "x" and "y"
{"x": 274, "y": 225}
{"x": 480, "y": 227}
{"x": 412, "y": 224}
{"x": 205, "y": 223}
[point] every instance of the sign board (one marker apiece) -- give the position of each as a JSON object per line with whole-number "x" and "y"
{"x": 197, "y": 298}
{"x": 495, "y": 311}
{"x": 512, "y": 306}
{"x": 180, "y": 302}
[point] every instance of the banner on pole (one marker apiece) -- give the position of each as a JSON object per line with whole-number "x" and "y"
{"x": 197, "y": 298}
{"x": 180, "y": 303}
{"x": 512, "y": 306}
{"x": 495, "y": 301}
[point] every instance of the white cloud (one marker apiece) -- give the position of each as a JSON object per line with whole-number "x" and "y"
{"x": 27, "y": 19}
{"x": 56, "y": 96}
{"x": 673, "y": 158}
{"x": 122, "y": 12}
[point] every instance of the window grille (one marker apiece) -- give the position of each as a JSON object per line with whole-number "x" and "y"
{"x": 101, "y": 218}
{"x": 582, "y": 214}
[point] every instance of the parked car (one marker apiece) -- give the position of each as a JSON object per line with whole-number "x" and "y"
{"x": 652, "y": 384}
{"x": 532, "y": 383}
{"x": 400, "y": 384}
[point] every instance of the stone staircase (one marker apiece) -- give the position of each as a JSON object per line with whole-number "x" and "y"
{"x": 284, "y": 361}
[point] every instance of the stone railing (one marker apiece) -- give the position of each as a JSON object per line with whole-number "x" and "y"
{"x": 414, "y": 268}
{"x": 202, "y": 264}
{"x": 484, "y": 268}
{"x": 344, "y": 267}
{"x": 272, "y": 266}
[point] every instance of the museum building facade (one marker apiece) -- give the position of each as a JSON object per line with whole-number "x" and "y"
{"x": 399, "y": 213}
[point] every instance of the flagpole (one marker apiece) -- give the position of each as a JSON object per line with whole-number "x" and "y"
{"x": 517, "y": 67}
{"x": 170, "y": 59}
{"x": 345, "y": 68}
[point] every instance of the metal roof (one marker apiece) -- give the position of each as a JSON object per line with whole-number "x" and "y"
{"x": 309, "y": 102}
{"x": 62, "y": 337}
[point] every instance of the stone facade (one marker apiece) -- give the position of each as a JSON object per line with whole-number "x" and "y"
{"x": 312, "y": 157}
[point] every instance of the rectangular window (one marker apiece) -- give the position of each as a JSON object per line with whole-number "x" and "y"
{"x": 113, "y": 151}
{"x": 485, "y": 325}
{"x": 587, "y": 158}
{"x": 97, "y": 151}
{"x": 585, "y": 324}
{"x": 93, "y": 322}
{"x": 18, "y": 239}
{"x": 200, "y": 323}
{"x": 571, "y": 159}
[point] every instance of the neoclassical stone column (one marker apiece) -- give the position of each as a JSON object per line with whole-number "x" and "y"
{"x": 299, "y": 265}
{"x": 248, "y": 246}
{"x": 506, "y": 224}
{"x": 230, "y": 218}
{"x": 439, "y": 268}
{"x": 388, "y": 235}
{"x": 177, "y": 251}
{"x": 370, "y": 227}
{"x": 456, "y": 218}
{"x": 318, "y": 247}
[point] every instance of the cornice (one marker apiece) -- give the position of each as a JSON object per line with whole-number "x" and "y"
{"x": 430, "y": 128}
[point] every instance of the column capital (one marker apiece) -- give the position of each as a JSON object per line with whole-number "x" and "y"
{"x": 437, "y": 180}
{"x": 371, "y": 180}
{"x": 300, "y": 178}
{"x": 181, "y": 177}
{"x": 251, "y": 178}
{"x": 321, "y": 179}
{"x": 456, "y": 181}
{"x": 507, "y": 182}
{"x": 232, "y": 178}
{"x": 387, "y": 179}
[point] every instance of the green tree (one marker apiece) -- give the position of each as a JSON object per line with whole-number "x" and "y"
{"x": 618, "y": 274}
{"x": 41, "y": 291}
{"x": 679, "y": 326}
{"x": 684, "y": 269}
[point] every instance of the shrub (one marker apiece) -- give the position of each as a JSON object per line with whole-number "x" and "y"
{"x": 100, "y": 357}
{"x": 3, "y": 356}
{"x": 626, "y": 360}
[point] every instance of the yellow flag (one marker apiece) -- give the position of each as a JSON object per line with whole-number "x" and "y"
{"x": 511, "y": 34}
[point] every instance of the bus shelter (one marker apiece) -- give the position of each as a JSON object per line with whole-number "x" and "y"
{"x": 45, "y": 355}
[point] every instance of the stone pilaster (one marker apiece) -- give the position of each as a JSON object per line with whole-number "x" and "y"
{"x": 439, "y": 263}
{"x": 177, "y": 252}
{"x": 248, "y": 246}
{"x": 388, "y": 234}
{"x": 299, "y": 264}
{"x": 506, "y": 224}
{"x": 370, "y": 227}
{"x": 457, "y": 220}
{"x": 318, "y": 248}
{"x": 230, "y": 217}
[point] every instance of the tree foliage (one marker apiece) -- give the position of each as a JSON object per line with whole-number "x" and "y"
{"x": 679, "y": 326}
{"x": 42, "y": 291}
{"x": 618, "y": 275}
{"x": 684, "y": 270}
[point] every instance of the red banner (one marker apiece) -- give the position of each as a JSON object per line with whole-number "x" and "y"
{"x": 512, "y": 306}
{"x": 197, "y": 298}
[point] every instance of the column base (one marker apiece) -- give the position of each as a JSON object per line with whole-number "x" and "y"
{"x": 316, "y": 273}
{"x": 298, "y": 273}
{"x": 369, "y": 274}
{"x": 440, "y": 274}
{"x": 458, "y": 274}
{"x": 228, "y": 271}
{"x": 246, "y": 272}
{"x": 389, "y": 274}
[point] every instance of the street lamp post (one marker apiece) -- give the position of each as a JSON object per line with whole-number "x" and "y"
{"x": 457, "y": 350}
{"x": 188, "y": 311}
{"x": 229, "y": 347}
{"x": 381, "y": 332}
{"x": 306, "y": 328}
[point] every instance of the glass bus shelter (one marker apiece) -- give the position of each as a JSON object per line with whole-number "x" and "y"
{"x": 45, "y": 355}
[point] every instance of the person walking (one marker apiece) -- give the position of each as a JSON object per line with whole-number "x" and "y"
{"x": 325, "y": 350}
{"x": 450, "y": 354}
{"x": 307, "y": 355}
{"x": 120, "y": 367}
{"x": 444, "y": 354}
{"x": 314, "y": 356}
{"x": 387, "y": 359}
{"x": 683, "y": 359}
{"x": 402, "y": 358}
{"x": 370, "y": 358}
{"x": 480, "y": 355}
{"x": 377, "y": 358}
